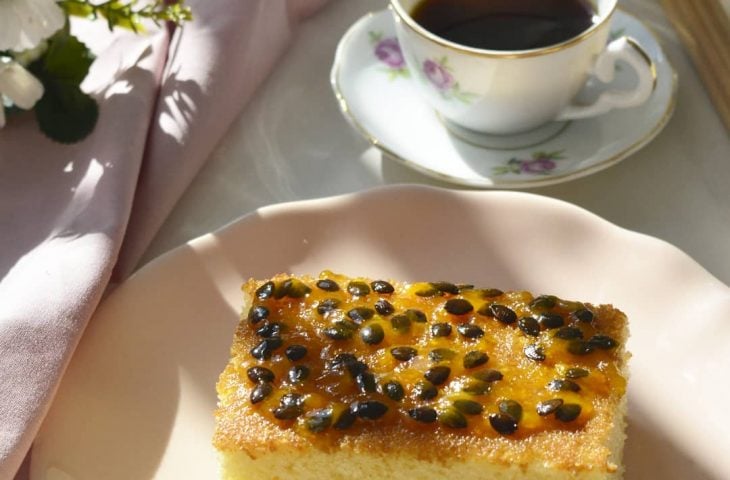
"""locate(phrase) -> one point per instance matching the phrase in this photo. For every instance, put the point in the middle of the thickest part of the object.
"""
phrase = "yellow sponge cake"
(337, 378)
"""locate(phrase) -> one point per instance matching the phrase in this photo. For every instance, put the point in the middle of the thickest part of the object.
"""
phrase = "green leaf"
(127, 13)
(67, 59)
(65, 113)
(78, 9)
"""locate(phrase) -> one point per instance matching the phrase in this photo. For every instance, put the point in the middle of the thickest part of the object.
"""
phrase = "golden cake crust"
(242, 426)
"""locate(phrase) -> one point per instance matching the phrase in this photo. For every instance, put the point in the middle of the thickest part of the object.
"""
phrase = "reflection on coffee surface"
(505, 24)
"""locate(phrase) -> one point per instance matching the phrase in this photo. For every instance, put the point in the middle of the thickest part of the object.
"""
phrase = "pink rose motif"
(542, 163)
(538, 165)
(438, 75)
(388, 51)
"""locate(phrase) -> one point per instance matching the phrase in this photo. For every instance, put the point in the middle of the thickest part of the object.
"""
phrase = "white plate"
(138, 398)
(380, 102)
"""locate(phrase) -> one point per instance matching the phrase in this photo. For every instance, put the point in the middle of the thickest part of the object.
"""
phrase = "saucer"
(373, 88)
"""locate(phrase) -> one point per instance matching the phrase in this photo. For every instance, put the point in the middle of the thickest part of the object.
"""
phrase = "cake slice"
(350, 378)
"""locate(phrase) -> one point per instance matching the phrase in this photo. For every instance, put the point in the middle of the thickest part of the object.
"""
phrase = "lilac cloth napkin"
(70, 216)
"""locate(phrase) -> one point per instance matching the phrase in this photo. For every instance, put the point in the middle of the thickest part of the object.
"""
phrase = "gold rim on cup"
(406, 18)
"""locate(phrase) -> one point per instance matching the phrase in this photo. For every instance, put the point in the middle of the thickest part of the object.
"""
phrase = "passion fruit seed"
(265, 291)
(298, 373)
(458, 306)
(602, 342)
(503, 423)
(291, 399)
(475, 359)
(357, 367)
(534, 352)
(490, 292)
(365, 382)
(346, 361)
(291, 406)
(269, 329)
(368, 409)
(438, 374)
(569, 333)
(287, 413)
(488, 375)
(372, 334)
(445, 287)
(511, 408)
(550, 321)
(393, 390)
(579, 347)
(260, 374)
(358, 289)
(281, 289)
(384, 307)
(265, 348)
(468, 407)
(548, 407)
(257, 313)
(416, 316)
(544, 302)
(340, 330)
(318, 420)
(328, 305)
(441, 329)
(576, 373)
(428, 291)
(360, 314)
(328, 285)
(423, 414)
(344, 420)
(476, 387)
(529, 326)
(452, 418)
(295, 352)
(582, 315)
(381, 286)
(424, 390)
(567, 412)
(560, 385)
(464, 287)
(403, 353)
(441, 354)
(400, 323)
(502, 313)
(296, 288)
(260, 392)
(471, 331)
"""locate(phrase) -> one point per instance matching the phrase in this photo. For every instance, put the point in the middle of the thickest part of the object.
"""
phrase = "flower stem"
(127, 14)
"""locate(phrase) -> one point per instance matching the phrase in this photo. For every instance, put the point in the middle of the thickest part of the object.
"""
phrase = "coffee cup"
(507, 90)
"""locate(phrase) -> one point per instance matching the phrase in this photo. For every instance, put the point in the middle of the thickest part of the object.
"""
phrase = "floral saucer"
(372, 84)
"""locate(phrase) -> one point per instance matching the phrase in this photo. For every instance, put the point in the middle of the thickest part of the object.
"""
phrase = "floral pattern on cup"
(388, 51)
(541, 163)
(439, 74)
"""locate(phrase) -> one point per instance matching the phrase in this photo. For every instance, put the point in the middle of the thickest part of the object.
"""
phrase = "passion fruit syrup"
(334, 356)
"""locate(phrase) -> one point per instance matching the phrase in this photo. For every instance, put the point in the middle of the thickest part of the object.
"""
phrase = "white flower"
(25, 23)
(17, 85)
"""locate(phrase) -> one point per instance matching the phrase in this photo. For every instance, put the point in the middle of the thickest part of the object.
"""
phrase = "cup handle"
(628, 50)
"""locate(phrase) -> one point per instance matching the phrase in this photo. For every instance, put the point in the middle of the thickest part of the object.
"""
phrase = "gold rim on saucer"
(489, 182)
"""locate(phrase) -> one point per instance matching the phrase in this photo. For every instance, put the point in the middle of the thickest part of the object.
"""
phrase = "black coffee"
(505, 24)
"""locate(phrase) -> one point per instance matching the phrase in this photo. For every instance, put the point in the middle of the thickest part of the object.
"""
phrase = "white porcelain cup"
(506, 92)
